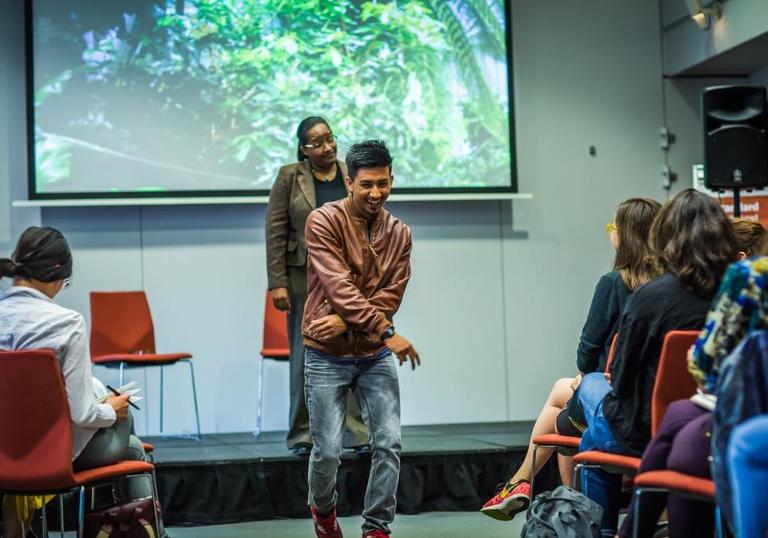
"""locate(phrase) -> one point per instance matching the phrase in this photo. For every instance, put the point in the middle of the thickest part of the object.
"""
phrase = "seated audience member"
(41, 266)
(751, 238)
(682, 442)
(748, 469)
(632, 267)
(694, 242)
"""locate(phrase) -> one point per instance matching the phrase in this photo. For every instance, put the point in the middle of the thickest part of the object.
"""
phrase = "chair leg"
(81, 512)
(577, 476)
(533, 477)
(194, 397)
(162, 370)
(155, 501)
(719, 531)
(636, 512)
(44, 520)
(61, 515)
(260, 397)
(151, 457)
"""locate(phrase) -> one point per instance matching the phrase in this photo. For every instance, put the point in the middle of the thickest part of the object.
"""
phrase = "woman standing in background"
(317, 178)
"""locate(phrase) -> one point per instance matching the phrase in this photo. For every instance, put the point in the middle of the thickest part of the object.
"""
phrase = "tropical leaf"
(494, 30)
(487, 106)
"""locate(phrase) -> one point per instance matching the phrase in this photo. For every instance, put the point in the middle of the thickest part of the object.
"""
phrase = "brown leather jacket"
(361, 280)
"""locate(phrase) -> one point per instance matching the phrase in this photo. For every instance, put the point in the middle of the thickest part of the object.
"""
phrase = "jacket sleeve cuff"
(381, 325)
(278, 282)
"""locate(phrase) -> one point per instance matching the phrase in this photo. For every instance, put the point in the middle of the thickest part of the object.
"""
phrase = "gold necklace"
(325, 179)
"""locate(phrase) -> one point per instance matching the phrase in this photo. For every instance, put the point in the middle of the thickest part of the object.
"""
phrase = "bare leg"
(566, 466)
(545, 423)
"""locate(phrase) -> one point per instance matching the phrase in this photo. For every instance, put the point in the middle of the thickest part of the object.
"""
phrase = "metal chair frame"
(81, 503)
(565, 451)
(125, 364)
(639, 490)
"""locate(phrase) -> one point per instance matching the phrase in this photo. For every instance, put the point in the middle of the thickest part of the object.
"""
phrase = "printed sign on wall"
(754, 203)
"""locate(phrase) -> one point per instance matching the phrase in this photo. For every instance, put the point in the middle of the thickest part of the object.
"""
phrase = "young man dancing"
(358, 266)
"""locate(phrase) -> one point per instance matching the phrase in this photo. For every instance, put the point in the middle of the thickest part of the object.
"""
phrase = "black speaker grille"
(740, 158)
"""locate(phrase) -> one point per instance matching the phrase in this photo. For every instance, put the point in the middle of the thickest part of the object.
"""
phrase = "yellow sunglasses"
(611, 227)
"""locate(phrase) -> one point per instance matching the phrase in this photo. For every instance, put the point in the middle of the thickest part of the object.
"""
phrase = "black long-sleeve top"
(653, 310)
(608, 302)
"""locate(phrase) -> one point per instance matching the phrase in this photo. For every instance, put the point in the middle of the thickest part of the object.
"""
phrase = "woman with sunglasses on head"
(41, 266)
(694, 242)
(632, 267)
(317, 178)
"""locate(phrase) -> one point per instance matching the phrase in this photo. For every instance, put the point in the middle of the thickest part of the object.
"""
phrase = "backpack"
(132, 519)
(563, 513)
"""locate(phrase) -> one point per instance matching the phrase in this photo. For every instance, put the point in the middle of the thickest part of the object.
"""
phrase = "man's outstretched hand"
(403, 349)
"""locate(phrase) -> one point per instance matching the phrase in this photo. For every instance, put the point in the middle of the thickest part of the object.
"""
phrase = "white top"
(31, 320)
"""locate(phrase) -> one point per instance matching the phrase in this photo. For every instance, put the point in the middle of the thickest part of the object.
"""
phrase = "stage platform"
(228, 478)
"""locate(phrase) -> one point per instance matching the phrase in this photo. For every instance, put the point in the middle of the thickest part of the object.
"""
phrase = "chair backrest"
(275, 343)
(673, 381)
(36, 442)
(121, 323)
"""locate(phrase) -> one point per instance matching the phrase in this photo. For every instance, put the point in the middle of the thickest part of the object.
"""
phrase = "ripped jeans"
(374, 381)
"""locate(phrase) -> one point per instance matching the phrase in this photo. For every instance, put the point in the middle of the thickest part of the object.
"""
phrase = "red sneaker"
(512, 499)
(375, 534)
(326, 527)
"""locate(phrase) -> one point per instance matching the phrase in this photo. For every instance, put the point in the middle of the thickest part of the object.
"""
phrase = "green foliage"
(53, 161)
(236, 76)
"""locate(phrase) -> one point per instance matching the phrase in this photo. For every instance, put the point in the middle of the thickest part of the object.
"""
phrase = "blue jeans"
(327, 382)
(602, 487)
(748, 464)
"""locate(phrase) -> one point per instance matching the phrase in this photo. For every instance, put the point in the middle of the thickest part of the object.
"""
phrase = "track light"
(703, 15)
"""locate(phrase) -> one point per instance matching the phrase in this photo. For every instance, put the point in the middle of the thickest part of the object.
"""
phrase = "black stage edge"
(231, 478)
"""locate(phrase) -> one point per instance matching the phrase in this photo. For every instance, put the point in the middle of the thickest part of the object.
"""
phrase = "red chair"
(692, 487)
(664, 394)
(567, 445)
(36, 440)
(673, 382)
(123, 335)
(275, 346)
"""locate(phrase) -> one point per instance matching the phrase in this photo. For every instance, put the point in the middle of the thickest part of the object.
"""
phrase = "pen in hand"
(129, 401)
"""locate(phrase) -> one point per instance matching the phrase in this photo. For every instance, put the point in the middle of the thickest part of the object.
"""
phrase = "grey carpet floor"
(427, 525)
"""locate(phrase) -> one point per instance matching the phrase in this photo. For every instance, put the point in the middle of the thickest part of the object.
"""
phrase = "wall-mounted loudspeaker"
(735, 143)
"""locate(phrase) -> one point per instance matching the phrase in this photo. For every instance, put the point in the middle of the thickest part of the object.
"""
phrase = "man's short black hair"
(367, 154)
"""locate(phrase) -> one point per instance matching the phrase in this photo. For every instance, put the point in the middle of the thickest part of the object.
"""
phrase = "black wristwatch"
(389, 333)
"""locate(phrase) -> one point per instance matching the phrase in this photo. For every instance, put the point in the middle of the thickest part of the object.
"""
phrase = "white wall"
(13, 146)
(500, 290)
(581, 80)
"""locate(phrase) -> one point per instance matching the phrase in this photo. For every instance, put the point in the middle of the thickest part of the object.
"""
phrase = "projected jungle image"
(205, 95)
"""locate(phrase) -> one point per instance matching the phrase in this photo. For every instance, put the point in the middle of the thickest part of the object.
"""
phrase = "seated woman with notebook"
(41, 266)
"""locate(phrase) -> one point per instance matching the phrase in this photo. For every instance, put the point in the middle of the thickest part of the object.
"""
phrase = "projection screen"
(137, 98)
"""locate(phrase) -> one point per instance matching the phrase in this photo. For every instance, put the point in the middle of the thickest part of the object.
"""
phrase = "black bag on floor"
(563, 513)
